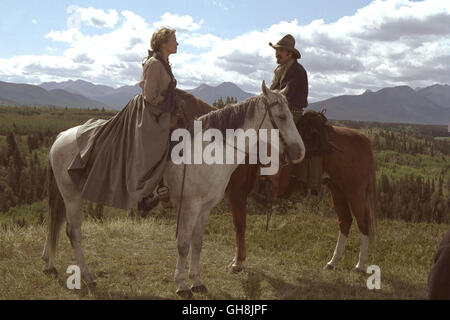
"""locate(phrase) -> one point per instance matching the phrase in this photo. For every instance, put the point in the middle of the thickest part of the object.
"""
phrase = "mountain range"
(118, 98)
(113, 98)
(227, 89)
(430, 105)
(30, 95)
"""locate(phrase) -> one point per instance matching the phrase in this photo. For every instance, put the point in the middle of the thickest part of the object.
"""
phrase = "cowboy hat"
(288, 43)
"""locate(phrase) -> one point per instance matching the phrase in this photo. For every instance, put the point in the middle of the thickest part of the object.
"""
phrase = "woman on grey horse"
(121, 160)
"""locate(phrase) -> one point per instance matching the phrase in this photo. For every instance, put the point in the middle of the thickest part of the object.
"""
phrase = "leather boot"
(147, 204)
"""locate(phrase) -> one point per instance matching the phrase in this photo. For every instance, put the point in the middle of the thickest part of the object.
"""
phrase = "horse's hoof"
(358, 270)
(236, 269)
(199, 289)
(185, 294)
(232, 268)
(51, 272)
(328, 267)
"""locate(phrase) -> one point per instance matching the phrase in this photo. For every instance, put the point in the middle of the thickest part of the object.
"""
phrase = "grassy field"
(135, 259)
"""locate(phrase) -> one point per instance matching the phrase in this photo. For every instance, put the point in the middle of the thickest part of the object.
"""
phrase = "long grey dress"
(121, 160)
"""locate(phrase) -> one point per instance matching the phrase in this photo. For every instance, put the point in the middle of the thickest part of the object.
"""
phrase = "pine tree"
(11, 144)
(220, 103)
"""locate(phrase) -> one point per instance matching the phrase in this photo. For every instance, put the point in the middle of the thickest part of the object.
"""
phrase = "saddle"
(314, 128)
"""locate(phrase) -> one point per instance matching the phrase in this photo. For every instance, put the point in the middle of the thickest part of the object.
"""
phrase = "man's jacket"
(296, 81)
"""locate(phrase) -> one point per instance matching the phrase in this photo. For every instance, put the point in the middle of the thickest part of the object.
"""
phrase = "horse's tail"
(56, 208)
(371, 199)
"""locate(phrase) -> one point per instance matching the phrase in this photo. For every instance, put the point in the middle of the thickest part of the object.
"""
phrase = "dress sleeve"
(152, 74)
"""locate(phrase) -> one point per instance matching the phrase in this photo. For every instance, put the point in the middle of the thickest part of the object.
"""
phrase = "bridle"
(268, 106)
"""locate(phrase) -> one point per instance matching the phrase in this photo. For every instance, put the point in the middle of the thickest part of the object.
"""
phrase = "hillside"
(439, 94)
(413, 176)
(284, 263)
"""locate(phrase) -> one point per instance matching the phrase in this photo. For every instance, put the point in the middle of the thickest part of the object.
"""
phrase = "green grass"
(26, 120)
(136, 258)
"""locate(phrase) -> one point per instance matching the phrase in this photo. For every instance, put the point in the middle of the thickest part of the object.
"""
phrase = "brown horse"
(349, 169)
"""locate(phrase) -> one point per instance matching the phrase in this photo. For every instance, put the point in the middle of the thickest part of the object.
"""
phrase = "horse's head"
(280, 117)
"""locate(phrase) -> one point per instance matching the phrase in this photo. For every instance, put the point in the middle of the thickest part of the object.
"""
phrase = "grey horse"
(205, 183)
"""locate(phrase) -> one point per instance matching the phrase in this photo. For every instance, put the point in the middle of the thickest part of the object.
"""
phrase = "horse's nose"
(295, 152)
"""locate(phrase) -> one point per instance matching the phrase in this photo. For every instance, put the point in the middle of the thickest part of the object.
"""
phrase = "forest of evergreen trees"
(220, 104)
(404, 142)
(412, 198)
(22, 174)
(408, 196)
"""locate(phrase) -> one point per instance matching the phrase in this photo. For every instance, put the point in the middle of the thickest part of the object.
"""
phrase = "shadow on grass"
(302, 288)
(100, 293)
(310, 288)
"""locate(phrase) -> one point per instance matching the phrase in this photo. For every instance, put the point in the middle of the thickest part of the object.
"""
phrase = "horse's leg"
(360, 211)
(187, 220)
(196, 248)
(74, 217)
(238, 201)
(345, 221)
(238, 189)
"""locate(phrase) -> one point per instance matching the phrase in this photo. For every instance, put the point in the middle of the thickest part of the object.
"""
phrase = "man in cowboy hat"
(290, 75)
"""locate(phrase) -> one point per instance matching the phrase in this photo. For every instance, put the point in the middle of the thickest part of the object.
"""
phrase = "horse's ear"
(264, 89)
(283, 92)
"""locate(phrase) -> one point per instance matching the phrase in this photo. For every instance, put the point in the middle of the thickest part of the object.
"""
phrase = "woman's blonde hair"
(160, 37)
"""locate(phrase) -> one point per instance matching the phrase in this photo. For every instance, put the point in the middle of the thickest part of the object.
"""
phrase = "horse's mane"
(231, 116)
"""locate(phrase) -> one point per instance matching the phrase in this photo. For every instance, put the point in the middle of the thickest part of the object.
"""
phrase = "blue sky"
(227, 19)
(347, 46)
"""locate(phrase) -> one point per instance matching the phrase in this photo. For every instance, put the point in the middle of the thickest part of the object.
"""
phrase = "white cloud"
(180, 23)
(203, 41)
(386, 43)
(72, 35)
(34, 21)
(92, 17)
